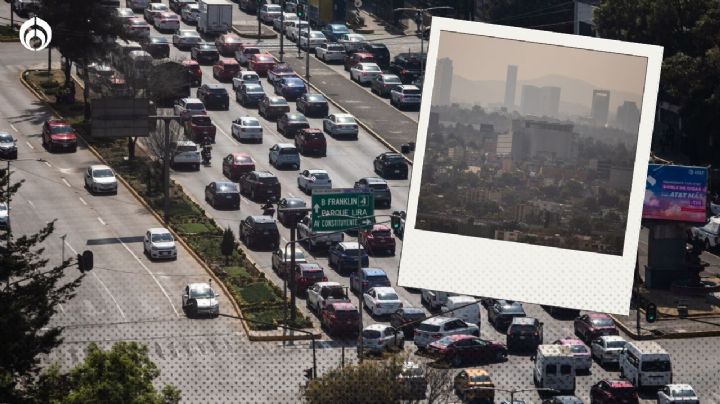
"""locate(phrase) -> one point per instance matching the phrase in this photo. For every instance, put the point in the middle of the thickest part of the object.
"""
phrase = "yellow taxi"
(474, 384)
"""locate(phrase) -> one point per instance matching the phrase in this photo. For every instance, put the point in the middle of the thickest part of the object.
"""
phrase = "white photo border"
(517, 271)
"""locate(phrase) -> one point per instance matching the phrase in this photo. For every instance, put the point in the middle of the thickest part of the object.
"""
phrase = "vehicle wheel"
(340, 268)
(707, 245)
(197, 167)
(602, 362)
(622, 372)
(456, 361)
(501, 356)
(392, 252)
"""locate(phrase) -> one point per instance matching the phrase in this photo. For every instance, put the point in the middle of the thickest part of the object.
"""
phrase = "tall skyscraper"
(443, 81)
(540, 101)
(600, 106)
(510, 87)
(628, 117)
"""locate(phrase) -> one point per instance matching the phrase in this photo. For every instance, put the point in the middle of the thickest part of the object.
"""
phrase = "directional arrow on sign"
(317, 208)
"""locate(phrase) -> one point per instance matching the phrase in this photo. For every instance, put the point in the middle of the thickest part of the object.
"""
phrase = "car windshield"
(217, 90)
(60, 129)
(202, 293)
(313, 273)
(382, 233)
(315, 98)
(428, 327)
(624, 392)
(3, 207)
(278, 101)
(339, 29)
(378, 185)
(352, 252)
(335, 47)
(388, 296)
(523, 329)
(315, 136)
(254, 89)
(195, 106)
(316, 35)
(250, 122)
(264, 59)
(243, 160)
(232, 39)
(479, 378)
(288, 150)
(444, 341)
(161, 237)
(578, 349)
(372, 334)
(137, 22)
(683, 393)
(371, 68)
(601, 322)
(227, 188)
(294, 203)
(320, 176)
(346, 314)
(201, 120)
(159, 39)
(266, 225)
(616, 344)
(375, 279)
(336, 292)
(656, 366)
(186, 148)
(274, 8)
(345, 119)
(191, 34)
(411, 92)
(269, 180)
(251, 77)
(207, 48)
(392, 80)
(5, 138)
(103, 173)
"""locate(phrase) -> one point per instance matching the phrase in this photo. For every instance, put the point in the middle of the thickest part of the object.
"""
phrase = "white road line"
(66, 183)
(225, 134)
(14, 128)
(101, 283)
(47, 163)
(83, 201)
(101, 221)
(30, 145)
(31, 204)
(151, 274)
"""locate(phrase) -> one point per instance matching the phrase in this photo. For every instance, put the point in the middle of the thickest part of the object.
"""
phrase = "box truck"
(215, 17)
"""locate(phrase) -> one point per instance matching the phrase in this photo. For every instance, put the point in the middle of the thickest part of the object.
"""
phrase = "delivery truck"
(215, 17)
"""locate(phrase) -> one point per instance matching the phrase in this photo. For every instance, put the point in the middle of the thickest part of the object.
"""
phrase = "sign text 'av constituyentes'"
(335, 209)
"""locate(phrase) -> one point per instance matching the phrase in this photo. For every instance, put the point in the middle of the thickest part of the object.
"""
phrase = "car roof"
(328, 283)
(598, 315)
(57, 122)
(367, 64)
(412, 310)
(477, 372)
(285, 145)
(609, 338)
(240, 154)
(570, 341)
(318, 171)
(344, 116)
(186, 143)
(295, 116)
(353, 245)
(619, 383)
(364, 54)
(459, 337)
(374, 180)
(248, 118)
(188, 99)
(524, 321)
(99, 167)
(158, 230)
(373, 272)
(392, 154)
(262, 219)
(199, 285)
(438, 320)
(264, 174)
(408, 87)
(343, 306)
(310, 266)
(215, 86)
(378, 327)
(276, 98)
(680, 387)
(385, 289)
(380, 227)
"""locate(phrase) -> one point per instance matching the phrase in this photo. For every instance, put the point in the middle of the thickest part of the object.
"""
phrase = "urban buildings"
(510, 87)
(628, 117)
(540, 101)
(443, 81)
(600, 107)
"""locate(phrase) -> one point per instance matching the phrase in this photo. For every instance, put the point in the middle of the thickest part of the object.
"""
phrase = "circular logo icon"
(35, 34)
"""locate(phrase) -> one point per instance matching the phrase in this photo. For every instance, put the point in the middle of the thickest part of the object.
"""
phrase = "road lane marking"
(47, 163)
(66, 183)
(14, 128)
(101, 221)
(83, 201)
(31, 204)
(30, 146)
(151, 275)
(225, 134)
(122, 314)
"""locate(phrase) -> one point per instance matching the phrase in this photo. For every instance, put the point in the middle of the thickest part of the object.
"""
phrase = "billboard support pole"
(166, 172)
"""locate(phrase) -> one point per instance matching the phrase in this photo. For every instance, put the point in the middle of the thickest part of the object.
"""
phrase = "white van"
(138, 64)
(554, 368)
(470, 313)
(645, 364)
(121, 51)
(434, 299)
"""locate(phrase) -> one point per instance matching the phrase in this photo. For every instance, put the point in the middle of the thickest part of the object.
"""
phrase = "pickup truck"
(709, 234)
(315, 239)
(434, 299)
(186, 153)
(323, 293)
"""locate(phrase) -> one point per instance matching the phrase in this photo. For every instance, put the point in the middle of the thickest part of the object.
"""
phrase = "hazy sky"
(478, 57)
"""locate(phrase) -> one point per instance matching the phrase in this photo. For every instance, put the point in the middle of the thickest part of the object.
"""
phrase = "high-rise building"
(510, 87)
(443, 81)
(540, 101)
(600, 107)
(628, 117)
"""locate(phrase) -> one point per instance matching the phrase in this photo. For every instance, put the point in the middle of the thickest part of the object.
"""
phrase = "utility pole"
(291, 273)
(307, 51)
(166, 161)
(360, 295)
(7, 202)
(12, 15)
(420, 20)
(282, 30)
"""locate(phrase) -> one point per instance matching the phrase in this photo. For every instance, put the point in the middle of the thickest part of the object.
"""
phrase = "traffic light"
(85, 261)
(395, 221)
(650, 312)
(308, 373)
(300, 11)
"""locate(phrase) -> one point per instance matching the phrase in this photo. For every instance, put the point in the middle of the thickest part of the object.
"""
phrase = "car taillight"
(324, 279)
(536, 333)
(436, 336)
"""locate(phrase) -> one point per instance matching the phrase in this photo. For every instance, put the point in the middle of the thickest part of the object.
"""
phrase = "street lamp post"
(290, 273)
(420, 13)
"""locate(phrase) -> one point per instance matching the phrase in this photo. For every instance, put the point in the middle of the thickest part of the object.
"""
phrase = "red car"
(459, 349)
(227, 44)
(199, 128)
(380, 238)
(307, 275)
(340, 317)
(225, 69)
(616, 391)
(235, 165)
(311, 140)
(261, 63)
(592, 325)
(358, 57)
(193, 68)
(57, 134)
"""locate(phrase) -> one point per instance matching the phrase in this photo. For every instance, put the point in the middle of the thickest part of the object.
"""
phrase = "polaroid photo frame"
(535, 250)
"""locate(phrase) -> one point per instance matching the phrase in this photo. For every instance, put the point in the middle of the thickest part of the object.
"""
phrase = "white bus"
(645, 364)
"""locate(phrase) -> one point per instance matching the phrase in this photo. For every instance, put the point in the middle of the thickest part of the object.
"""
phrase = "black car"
(288, 218)
(249, 94)
(391, 165)
(8, 146)
(291, 122)
(260, 186)
(177, 5)
(249, 6)
(407, 66)
(313, 105)
(223, 194)
(157, 46)
(214, 96)
(378, 187)
(502, 313)
(524, 333)
(379, 51)
(205, 53)
(562, 312)
(259, 232)
(273, 107)
(402, 316)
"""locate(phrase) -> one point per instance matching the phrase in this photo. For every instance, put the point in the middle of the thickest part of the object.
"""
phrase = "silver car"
(606, 349)
(100, 178)
(382, 337)
(341, 125)
(200, 298)
(159, 243)
(4, 216)
(186, 38)
(190, 13)
(284, 154)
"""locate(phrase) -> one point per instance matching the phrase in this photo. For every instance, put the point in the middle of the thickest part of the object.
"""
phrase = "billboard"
(676, 193)
(120, 117)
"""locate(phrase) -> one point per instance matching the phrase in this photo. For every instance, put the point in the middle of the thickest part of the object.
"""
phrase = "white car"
(317, 38)
(330, 52)
(152, 9)
(709, 234)
(186, 38)
(405, 95)
(4, 216)
(166, 21)
(284, 154)
(677, 394)
(200, 298)
(187, 107)
(364, 73)
(285, 20)
(247, 128)
(245, 76)
(293, 30)
(190, 13)
(341, 125)
(313, 179)
(607, 348)
(382, 300)
(187, 153)
(351, 42)
(435, 328)
(269, 12)
(100, 178)
(377, 338)
(159, 243)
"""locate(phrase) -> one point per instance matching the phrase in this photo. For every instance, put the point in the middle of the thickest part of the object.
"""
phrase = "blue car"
(291, 88)
(368, 278)
(334, 31)
(344, 257)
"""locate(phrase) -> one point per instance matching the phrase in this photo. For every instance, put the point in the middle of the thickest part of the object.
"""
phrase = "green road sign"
(331, 208)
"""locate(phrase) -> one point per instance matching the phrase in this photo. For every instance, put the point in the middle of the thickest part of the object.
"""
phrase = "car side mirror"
(185, 296)
(217, 295)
